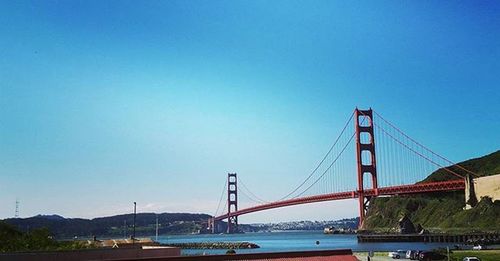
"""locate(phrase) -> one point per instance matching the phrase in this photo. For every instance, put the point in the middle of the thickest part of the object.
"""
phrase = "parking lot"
(484, 255)
(379, 256)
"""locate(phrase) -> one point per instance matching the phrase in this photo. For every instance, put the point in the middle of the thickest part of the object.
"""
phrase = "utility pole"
(135, 213)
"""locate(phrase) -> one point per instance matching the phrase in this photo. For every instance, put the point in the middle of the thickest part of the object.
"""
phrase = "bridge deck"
(452, 185)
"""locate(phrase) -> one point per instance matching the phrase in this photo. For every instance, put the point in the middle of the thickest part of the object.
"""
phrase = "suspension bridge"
(353, 168)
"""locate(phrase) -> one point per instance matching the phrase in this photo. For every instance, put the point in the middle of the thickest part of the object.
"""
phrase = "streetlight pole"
(156, 227)
(135, 213)
(125, 229)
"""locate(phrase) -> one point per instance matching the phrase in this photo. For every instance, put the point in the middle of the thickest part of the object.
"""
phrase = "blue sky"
(103, 103)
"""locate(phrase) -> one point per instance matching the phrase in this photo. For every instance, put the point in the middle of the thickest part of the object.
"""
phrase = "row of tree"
(40, 239)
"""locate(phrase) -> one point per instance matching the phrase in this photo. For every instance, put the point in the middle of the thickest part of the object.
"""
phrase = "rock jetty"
(214, 245)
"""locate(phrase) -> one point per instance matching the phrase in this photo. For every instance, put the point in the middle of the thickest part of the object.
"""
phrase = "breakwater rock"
(214, 245)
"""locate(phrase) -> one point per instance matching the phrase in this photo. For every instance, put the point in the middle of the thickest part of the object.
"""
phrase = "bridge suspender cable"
(257, 199)
(418, 153)
(252, 196)
(402, 152)
(221, 197)
(321, 162)
(424, 147)
(421, 146)
(404, 157)
(333, 162)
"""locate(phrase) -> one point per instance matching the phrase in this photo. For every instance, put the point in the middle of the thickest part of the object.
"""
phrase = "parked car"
(412, 254)
(429, 255)
(397, 254)
(471, 258)
(478, 247)
(417, 254)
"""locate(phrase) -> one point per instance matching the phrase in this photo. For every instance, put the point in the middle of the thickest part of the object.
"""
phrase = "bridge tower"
(232, 203)
(365, 155)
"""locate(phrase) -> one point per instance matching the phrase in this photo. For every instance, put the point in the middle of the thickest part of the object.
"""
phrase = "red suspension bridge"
(396, 166)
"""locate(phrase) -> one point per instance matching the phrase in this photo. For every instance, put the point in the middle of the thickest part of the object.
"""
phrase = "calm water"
(294, 241)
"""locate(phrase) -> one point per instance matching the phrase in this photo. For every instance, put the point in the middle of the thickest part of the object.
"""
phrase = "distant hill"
(169, 223)
(113, 226)
(441, 211)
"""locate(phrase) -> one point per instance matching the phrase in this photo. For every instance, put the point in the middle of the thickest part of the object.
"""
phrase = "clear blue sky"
(103, 103)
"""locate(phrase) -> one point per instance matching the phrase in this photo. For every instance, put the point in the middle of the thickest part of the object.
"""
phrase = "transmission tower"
(16, 215)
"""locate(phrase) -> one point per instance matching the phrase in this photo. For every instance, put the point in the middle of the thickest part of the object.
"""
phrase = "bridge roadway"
(452, 185)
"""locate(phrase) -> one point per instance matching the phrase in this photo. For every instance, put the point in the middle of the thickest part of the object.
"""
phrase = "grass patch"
(484, 255)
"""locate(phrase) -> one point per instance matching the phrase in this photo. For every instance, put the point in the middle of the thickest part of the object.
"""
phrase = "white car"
(397, 254)
(471, 258)
(478, 247)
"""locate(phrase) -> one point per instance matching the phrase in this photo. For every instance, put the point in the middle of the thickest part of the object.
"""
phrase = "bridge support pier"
(211, 225)
(214, 226)
(365, 155)
(232, 203)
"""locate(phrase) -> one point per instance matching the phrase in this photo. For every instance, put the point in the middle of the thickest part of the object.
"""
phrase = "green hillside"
(483, 166)
(440, 211)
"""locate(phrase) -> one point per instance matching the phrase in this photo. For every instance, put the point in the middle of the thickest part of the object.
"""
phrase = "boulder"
(406, 226)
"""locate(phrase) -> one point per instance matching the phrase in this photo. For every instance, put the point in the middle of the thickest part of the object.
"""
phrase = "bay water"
(294, 241)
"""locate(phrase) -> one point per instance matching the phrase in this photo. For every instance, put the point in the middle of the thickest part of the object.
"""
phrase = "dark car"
(412, 254)
(429, 255)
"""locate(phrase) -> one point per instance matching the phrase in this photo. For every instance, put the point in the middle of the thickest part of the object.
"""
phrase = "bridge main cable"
(422, 146)
(326, 170)
(389, 190)
(251, 195)
(321, 162)
(220, 200)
